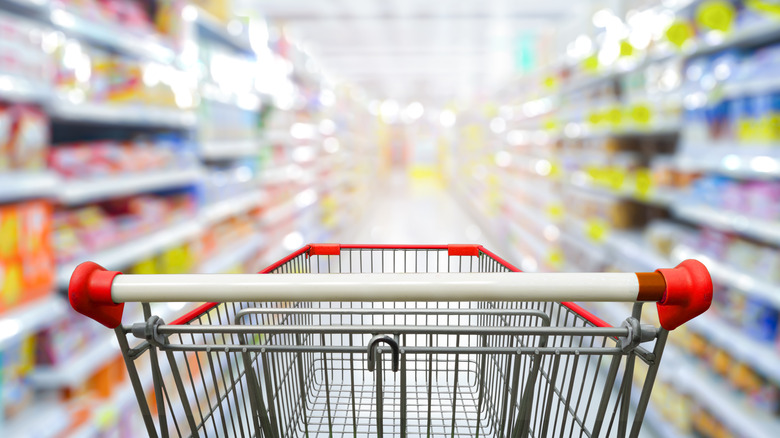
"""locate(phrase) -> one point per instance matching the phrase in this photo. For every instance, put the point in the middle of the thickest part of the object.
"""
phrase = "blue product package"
(760, 319)
(774, 118)
(762, 114)
(717, 116)
(742, 118)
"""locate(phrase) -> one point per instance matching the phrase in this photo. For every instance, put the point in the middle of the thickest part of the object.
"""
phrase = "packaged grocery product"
(6, 127)
(69, 337)
(734, 310)
(35, 220)
(10, 231)
(721, 361)
(679, 410)
(761, 394)
(26, 256)
(146, 266)
(11, 283)
(108, 158)
(177, 260)
(741, 254)
(762, 199)
(713, 243)
(760, 319)
(17, 359)
(707, 425)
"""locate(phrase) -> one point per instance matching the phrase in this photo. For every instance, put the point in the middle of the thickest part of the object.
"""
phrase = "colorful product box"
(26, 256)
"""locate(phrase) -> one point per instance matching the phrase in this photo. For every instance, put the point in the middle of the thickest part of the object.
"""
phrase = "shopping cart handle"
(682, 293)
(688, 293)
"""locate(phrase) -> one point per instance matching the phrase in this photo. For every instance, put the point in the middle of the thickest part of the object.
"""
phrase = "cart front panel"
(366, 369)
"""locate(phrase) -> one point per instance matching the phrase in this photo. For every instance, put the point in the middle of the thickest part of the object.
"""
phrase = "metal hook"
(372, 346)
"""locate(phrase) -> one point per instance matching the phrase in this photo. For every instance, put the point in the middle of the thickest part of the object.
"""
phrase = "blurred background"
(171, 136)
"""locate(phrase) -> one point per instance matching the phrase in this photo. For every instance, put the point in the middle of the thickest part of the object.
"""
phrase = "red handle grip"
(89, 293)
(688, 293)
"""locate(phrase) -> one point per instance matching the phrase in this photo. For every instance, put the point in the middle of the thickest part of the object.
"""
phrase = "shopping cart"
(448, 341)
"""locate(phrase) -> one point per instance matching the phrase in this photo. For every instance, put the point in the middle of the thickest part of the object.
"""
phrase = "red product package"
(36, 226)
(29, 138)
(6, 128)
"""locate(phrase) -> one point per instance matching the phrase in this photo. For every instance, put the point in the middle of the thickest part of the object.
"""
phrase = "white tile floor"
(405, 212)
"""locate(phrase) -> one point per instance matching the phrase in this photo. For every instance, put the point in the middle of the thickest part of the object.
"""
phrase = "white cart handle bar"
(682, 293)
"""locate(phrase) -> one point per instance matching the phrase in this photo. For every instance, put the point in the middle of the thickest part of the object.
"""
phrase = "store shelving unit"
(235, 254)
(125, 254)
(15, 186)
(49, 420)
(123, 115)
(650, 130)
(17, 89)
(218, 211)
(763, 230)
(72, 114)
(78, 368)
(74, 192)
(751, 36)
(733, 277)
(97, 32)
(29, 319)
(739, 161)
(561, 113)
(657, 197)
(237, 39)
(760, 355)
(230, 149)
(708, 390)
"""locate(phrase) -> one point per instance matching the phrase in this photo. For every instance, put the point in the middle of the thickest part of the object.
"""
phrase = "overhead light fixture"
(447, 118)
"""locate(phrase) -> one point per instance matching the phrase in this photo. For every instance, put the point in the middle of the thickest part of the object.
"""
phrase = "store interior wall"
(217, 136)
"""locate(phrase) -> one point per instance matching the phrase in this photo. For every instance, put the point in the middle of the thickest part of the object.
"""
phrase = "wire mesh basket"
(410, 341)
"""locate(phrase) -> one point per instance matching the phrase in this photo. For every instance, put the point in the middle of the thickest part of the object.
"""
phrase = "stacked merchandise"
(27, 267)
(24, 133)
(647, 148)
(106, 159)
(85, 74)
(25, 67)
(134, 186)
(86, 230)
(26, 277)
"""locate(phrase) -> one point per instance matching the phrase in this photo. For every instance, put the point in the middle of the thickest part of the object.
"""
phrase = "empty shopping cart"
(403, 341)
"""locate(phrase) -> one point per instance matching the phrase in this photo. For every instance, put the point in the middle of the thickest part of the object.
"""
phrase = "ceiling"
(422, 50)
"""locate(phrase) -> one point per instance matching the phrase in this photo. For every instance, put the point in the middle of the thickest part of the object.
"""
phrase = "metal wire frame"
(466, 368)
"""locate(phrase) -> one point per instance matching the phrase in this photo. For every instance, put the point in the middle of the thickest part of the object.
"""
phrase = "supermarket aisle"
(405, 211)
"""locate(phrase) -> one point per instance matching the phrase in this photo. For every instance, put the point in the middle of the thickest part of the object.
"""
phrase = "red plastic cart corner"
(89, 293)
(688, 293)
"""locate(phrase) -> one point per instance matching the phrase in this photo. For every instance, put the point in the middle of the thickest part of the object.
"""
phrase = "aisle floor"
(405, 211)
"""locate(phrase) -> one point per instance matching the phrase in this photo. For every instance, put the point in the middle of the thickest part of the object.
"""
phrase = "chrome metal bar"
(301, 382)
(404, 403)
(399, 329)
(380, 415)
(430, 388)
(455, 387)
(606, 394)
(135, 381)
(327, 385)
(352, 387)
(255, 400)
(183, 399)
(647, 388)
(272, 413)
(545, 423)
(625, 402)
(157, 380)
